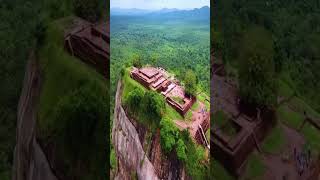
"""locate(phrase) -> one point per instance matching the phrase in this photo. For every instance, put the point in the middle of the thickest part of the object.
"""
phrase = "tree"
(190, 83)
(181, 150)
(168, 134)
(154, 59)
(154, 105)
(134, 99)
(90, 10)
(78, 123)
(257, 72)
(122, 71)
(78, 128)
(136, 61)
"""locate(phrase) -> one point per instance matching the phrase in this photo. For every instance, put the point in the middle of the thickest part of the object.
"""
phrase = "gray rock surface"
(30, 162)
(132, 160)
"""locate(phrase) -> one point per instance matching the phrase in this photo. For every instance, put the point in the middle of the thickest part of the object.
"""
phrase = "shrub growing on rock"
(181, 150)
(169, 134)
(154, 105)
(78, 123)
(134, 100)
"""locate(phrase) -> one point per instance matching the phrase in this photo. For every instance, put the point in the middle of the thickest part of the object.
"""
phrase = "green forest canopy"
(176, 45)
(294, 28)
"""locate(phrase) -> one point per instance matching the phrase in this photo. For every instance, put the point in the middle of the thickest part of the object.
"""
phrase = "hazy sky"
(159, 4)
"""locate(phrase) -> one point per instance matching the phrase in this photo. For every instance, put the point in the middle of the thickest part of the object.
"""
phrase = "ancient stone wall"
(178, 108)
(91, 45)
(140, 80)
(205, 126)
(90, 54)
(234, 158)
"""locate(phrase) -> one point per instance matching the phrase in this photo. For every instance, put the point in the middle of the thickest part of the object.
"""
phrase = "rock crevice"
(30, 162)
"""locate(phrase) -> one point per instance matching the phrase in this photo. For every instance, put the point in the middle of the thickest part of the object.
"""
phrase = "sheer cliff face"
(132, 159)
(30, 162)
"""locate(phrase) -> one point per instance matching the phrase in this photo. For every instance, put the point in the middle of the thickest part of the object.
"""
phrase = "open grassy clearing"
(295, 119)
(188, 116)
(129, 84)
(274, 142)
(300, 105)
(289, 117)
(172, 113)
(219, 118)
(195, 106)
(221, 121)
(312, 137)
(284, 89)
(178, 99)
(255, 168)
(203, 98)
(219, 172)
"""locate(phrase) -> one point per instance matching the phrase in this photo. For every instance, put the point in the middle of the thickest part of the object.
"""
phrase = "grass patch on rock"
(275, 141)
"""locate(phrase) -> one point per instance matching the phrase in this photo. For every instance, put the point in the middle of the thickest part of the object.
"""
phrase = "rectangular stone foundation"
(233, 154)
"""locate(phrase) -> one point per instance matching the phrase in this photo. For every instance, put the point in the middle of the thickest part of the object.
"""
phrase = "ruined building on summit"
(90, 42)
(157, 79)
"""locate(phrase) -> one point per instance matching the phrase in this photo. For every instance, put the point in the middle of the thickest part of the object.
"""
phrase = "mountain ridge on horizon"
(137, 11)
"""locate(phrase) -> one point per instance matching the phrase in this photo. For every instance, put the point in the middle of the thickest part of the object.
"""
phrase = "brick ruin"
(200, 133)
(90, 42)
(249, 127)
(157, 79)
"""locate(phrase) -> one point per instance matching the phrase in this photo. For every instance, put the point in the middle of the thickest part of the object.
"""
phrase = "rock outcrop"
(30, 163)
(132, 159)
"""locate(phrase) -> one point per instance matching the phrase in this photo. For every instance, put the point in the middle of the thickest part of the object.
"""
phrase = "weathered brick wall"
(233, 159)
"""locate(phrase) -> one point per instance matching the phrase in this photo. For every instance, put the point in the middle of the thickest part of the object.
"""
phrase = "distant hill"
(203, 12)
(131, 12)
